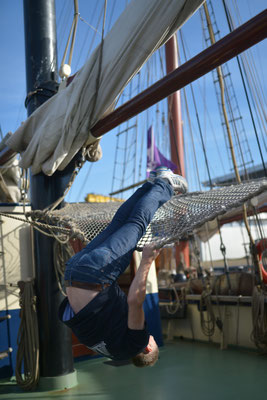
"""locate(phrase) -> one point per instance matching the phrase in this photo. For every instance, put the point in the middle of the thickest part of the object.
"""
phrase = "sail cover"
(57, 130)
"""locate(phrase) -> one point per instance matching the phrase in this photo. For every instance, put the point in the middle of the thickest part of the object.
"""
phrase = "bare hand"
(150, 253)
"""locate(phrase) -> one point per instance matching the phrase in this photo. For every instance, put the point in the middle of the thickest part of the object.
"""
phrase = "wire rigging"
(199, 126)
(226, 98)
(230, 25)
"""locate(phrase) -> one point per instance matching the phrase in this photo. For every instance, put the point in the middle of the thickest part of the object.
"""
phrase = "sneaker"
(178, 182)
(152, 176)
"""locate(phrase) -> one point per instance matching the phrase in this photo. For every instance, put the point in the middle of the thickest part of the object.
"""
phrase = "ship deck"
(186, 370)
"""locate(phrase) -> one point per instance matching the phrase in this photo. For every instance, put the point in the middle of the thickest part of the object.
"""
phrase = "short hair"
(146, 360)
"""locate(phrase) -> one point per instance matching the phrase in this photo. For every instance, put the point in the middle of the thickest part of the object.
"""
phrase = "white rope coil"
(28, 339)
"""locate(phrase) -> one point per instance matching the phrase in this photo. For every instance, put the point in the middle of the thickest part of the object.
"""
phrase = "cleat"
(178, 182)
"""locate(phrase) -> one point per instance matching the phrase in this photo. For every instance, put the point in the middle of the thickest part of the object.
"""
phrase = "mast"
(176, 132)
(56, 361)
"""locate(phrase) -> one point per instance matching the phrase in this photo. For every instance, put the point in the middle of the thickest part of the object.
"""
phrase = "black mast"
(41, 68)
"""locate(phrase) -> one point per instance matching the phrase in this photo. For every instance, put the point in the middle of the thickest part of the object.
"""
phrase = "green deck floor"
(185, 371)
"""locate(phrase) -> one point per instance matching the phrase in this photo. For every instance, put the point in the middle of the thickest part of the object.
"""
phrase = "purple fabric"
(154, 156)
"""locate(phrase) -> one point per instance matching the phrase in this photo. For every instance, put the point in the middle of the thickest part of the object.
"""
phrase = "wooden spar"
(228, 47)
(242, 38)
(174, 110)
(176, 136)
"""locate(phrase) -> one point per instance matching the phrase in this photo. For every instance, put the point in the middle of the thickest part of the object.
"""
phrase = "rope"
(176, 304)
(250, 70)
(194, 152)
(93, 18)
(62, 253)
(28, 339)
(36, 225)
(72, 33)
(207, 112)
(259, 319)
(221, 82)
(99, 65)
(24, 186)
(222, 246)
(196, 253)
(77, 169)
(220, 320)
(191, 138)
(237, 319)
(230, 25)
(197, 118)
(208, 324)
(235, 119)
(226, 267)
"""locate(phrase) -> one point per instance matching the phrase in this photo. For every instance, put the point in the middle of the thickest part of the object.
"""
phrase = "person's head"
(149, 356)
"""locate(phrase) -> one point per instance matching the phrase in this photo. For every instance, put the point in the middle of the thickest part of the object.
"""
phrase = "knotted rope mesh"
(176, 219)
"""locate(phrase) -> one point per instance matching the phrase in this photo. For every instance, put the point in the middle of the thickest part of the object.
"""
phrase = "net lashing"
(175, 220)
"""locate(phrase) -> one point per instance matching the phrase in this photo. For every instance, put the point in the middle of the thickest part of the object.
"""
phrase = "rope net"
(175, 220)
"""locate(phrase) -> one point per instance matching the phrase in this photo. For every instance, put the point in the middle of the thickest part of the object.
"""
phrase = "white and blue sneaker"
(178, 182)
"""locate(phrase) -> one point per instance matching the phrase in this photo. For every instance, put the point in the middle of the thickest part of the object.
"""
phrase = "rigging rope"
(221, 82)
(235, 117)
(207, 113)
(62, 253)
(99, 65)
(172, 309)
(222, 246)
(208, 324)
(42, 227)
(198, 122)
(77, 169)
(65, 69)
(28, 339)
(196, 164)
(254, 69)
(254, 99)
(230, 25)
(259, 319)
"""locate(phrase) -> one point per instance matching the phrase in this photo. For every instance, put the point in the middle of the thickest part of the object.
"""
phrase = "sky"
(103, 177)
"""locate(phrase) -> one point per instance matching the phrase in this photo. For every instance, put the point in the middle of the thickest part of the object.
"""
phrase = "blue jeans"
(108, 254)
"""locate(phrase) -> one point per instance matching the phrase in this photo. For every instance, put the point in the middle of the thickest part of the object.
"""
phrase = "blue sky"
(98, 177)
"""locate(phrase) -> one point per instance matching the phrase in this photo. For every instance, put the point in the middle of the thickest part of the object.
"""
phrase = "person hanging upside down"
(99, 313)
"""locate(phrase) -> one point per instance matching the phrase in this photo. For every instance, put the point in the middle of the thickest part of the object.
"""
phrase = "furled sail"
(57, 130)
(9, 177)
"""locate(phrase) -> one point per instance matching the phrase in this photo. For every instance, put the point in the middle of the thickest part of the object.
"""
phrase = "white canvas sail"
(55, 132)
